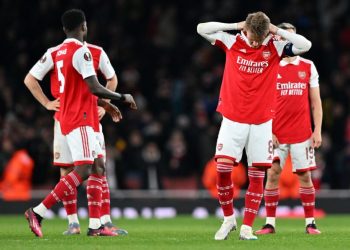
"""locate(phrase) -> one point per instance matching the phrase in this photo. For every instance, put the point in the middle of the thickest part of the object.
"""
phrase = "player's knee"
(305, 177)
(273, 175)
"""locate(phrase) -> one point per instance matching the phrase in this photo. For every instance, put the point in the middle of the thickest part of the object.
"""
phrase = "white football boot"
(227, 226)
(247, 233)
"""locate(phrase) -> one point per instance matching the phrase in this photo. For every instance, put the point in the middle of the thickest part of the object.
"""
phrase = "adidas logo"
(243, 50)
(279, 76)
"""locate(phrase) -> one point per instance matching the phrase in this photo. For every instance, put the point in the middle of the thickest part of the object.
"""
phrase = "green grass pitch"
(180, 233)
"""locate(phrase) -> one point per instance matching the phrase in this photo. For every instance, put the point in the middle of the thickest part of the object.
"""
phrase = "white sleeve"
(300, 43)
(314, 76)
(105, 66)
(44, 65)
(82, 62)
(213, 31)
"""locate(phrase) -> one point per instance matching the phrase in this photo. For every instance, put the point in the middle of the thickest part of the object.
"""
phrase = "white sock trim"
(40, 209)
(271, 221)
(94, 223)
(310, 220)
(105, 219)
(73, 218)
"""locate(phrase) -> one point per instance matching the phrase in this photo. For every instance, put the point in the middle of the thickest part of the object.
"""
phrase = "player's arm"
(213, 31)
(112, 110)
(36, 74)
(98, 90)
(316, 107)
(34, 87)
(82, 62)
(107, 70)
(297, 44)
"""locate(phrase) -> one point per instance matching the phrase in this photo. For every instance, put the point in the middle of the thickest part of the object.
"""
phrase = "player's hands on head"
(53, 105)
(316, 139)
(275, 141)
(113, 111)
(240, 25)
(101, 112)
(129, 99)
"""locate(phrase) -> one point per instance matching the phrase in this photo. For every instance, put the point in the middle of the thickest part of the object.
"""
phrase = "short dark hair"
(258, 23)
(287, 26)
(71, 19)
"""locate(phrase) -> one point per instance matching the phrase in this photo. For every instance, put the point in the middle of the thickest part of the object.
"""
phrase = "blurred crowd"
(175, 77)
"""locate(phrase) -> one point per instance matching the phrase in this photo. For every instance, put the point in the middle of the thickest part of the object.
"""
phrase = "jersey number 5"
(59, 65)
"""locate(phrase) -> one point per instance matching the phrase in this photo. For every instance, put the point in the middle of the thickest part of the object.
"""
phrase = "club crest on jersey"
(220, 146)
(266, 54)
(87, 56)
(43, 59)
(302, 74)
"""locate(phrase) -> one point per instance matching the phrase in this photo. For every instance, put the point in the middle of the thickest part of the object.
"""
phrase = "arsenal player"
(297, 91)
(246, 103)
(72, 63)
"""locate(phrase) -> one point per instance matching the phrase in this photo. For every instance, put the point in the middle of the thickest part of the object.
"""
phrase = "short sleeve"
(105, 66)
(43, 66)
(82, 62)
(314, 77)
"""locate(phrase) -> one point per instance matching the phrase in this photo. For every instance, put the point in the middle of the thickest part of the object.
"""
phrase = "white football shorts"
(302, 155)
(256, 139)
(79, 147)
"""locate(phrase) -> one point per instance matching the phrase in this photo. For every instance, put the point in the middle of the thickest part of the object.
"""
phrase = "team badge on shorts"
(302, 74)
(57, 155)
(93, 153)
(220, 146)
(266, 54)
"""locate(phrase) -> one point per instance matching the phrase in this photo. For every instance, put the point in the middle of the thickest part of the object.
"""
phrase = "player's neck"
(289, 59)
(76, 36)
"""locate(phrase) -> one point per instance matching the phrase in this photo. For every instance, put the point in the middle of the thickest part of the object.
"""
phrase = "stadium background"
(175, 76)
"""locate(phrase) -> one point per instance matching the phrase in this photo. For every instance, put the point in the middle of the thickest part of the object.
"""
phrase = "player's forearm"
(300, 43)
(317, 114)
(212, 27)
(98, 90)
(112, 85)
(34, 87)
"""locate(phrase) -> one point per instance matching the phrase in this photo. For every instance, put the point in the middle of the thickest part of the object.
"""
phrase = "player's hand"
(101, 112)
(316, 139)
(273, 28)
(240, 25)
(129, 99)
(113, 111)
(275, 141)
(53, 105)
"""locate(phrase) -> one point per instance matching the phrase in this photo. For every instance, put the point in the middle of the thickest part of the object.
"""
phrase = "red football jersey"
(247, 91)
(292, 123)
(101, 65)
(73, 63)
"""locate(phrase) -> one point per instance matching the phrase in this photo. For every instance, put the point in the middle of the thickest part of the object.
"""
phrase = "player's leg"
(70, 205)
(63, 159)
(271, 192)
(259, 150)
(303, 160)
(230, 143)
(63, 187)
(106, 200)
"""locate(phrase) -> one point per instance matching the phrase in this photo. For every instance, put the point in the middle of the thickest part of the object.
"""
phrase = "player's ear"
(84, 27)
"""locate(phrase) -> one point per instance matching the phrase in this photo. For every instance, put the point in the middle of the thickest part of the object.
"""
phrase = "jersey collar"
(69, 40)
(294, 62)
